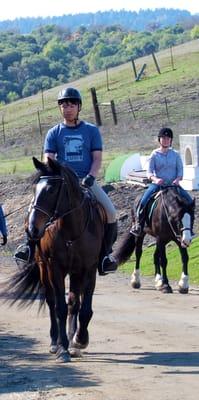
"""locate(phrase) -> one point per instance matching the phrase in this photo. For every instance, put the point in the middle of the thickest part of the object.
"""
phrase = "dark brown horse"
(168, 218)
(68, 227)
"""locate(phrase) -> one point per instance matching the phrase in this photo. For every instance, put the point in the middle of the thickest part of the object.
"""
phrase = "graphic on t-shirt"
(73, 147)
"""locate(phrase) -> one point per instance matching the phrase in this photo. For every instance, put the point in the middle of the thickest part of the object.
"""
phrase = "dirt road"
(143, 345)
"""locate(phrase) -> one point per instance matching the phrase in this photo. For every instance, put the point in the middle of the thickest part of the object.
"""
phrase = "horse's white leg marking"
(135, 279)
(158, 281)
(186, 234)
(184, 281)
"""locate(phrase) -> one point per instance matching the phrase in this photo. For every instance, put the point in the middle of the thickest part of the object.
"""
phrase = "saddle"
(94, 204)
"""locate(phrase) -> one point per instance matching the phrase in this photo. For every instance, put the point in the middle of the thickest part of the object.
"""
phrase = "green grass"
(174, 267)
(20, 166)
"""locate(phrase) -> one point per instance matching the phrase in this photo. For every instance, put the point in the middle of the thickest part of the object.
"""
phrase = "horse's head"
(54, 187)
(180, 214)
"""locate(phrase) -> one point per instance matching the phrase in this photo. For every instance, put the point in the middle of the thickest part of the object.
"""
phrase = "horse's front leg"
(61, 309)
(158, 275)
(50, 300)
(166, 288)
(73, 310)
(135, 277)
(183, 284)
(81, 337)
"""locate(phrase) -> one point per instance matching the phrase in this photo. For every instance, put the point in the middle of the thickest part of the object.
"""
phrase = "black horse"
(168, 218)
(67, 225)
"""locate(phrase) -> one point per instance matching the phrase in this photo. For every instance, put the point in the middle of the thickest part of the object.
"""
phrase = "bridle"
(55, 214)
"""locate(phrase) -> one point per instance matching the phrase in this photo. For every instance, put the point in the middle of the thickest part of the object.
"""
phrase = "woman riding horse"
(165, 168)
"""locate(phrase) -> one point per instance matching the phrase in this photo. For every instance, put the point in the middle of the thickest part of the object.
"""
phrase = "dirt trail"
(143, 344)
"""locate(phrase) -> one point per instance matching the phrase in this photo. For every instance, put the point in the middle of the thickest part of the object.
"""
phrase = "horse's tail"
(125, 249)
(25, 287)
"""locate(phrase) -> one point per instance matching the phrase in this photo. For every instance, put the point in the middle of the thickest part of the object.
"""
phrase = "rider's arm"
(96, 163)
(179, 169)
(151, 171)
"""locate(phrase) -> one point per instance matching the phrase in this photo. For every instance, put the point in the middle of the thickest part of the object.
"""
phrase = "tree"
(195, 32)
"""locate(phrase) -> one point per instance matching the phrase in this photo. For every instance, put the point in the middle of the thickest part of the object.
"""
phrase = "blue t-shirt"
(73, 146)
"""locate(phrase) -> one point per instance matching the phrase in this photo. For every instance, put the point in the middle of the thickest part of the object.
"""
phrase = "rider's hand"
(159, 181)
(4, 240)
(176, 181)
(88, 180)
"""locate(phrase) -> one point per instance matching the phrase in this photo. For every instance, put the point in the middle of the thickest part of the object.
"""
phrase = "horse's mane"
(175, 201)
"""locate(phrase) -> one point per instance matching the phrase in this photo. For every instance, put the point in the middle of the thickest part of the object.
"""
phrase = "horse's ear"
(54, 165)
(40, 166)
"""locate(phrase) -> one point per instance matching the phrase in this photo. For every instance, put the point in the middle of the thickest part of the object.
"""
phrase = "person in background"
(78, 143)
(3, 227)
(165, 167)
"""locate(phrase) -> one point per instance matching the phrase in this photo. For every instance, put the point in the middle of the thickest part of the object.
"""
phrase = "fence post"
(167, 110)
(156, 63)
(107, 80)
(3, 130)
(96, 107)
(40, 130)
(134, 68)
(42, 98)
(141, 72)
(113, 111)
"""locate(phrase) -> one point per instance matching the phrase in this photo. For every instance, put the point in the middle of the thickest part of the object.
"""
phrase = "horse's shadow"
(169, 359)
(23, 369)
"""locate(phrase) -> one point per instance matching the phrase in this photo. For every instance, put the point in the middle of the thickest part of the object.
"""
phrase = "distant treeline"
(52, 55)
(130, 20)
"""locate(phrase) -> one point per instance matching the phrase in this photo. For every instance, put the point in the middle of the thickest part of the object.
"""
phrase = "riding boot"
(107, 263)
(25, 252)
(138, 224)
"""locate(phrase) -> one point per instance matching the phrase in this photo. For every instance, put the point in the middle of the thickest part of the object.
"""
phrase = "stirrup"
(22, 254)
(109, 264)
(136, 230)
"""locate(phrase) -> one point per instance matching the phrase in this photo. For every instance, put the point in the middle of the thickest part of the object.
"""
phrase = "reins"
(56, 215)
(178, 237)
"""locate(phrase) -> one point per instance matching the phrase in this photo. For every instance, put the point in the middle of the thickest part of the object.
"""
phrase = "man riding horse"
(78, 144)
(165, 168)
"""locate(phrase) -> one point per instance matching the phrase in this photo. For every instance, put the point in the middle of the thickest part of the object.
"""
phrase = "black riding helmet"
(70, 94)
(165, 132)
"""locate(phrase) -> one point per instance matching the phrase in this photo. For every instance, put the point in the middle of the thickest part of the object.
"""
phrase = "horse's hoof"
(63, 356)
(166, 289)
(135, 285)
(74, 352)
(135, 280)
(79, 345)
(183, 290)
(53, 348)
(158, 286)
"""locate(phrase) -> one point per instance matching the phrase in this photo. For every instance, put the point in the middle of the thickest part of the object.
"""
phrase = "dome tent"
(121, 166)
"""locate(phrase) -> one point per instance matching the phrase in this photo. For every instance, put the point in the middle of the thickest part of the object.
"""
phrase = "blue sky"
(23, 8)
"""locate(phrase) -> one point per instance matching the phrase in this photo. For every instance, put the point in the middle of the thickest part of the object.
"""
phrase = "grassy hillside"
(176, 87)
